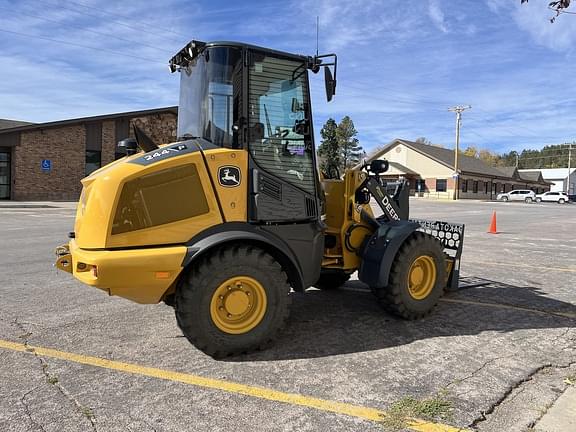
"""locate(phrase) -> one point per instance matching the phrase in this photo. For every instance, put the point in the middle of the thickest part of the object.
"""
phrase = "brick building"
(46, 161)
(430, 171)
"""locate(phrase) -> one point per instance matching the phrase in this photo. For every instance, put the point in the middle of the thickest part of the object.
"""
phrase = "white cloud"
(534, 18)
(437, 15)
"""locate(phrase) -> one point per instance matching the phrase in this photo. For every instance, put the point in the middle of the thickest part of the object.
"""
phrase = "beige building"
(46, 161)
(430, 171)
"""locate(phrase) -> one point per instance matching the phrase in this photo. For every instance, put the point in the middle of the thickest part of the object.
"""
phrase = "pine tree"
(350, 149)
(329, 150)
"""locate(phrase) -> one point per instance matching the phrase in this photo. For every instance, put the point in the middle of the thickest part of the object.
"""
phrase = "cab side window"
(280, 140)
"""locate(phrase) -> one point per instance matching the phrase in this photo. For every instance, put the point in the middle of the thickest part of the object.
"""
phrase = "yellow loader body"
(133, 219)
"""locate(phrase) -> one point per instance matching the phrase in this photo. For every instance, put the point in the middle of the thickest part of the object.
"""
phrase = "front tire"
(417, 279)
(538, 200)
(528, 200)
(233, 301)
(504, 198)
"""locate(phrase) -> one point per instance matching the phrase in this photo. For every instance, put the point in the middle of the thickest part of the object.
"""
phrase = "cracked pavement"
(501, 347)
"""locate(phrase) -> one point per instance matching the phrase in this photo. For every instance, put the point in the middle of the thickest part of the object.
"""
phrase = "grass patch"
(52, 380)
(401, 412)
(87, 412)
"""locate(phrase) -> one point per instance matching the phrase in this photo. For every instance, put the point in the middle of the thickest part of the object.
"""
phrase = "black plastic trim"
(245, 233)
(380, 251)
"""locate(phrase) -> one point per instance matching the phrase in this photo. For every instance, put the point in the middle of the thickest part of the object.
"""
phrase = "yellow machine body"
(133, 220)
(343, 222)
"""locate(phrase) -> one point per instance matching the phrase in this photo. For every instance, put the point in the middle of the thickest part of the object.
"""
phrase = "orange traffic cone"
(492, 229)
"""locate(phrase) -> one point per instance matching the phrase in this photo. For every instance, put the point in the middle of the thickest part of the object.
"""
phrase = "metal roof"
(466, 164)
(551, 173)
(9, 124)
(71, 122)
(509, 171)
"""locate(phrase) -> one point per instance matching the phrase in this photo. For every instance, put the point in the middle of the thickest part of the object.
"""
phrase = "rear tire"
(331, 279)
(417, 279)
(233, 301)
(561, 201)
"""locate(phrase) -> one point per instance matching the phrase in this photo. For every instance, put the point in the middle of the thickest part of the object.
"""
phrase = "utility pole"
(458, 109)
(569, 160)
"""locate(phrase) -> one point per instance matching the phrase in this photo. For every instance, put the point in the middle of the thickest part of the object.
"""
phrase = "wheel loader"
(226, 221)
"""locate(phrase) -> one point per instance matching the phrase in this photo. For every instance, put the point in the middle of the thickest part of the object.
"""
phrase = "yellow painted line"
(511, 266)
(365, 413)
(504, 306)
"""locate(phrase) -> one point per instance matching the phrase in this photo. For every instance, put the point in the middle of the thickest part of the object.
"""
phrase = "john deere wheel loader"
(225, 221)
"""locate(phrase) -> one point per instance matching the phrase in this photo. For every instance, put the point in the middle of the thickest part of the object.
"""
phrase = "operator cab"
(240, 96)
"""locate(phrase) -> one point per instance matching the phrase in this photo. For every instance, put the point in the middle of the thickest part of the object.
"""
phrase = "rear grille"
(311, 209)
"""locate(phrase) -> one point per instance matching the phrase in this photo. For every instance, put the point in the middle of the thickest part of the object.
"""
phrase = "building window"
(93, 161)
(464, 185)
(420, 185)
(440, 185)
(475, 186)
(486, 188)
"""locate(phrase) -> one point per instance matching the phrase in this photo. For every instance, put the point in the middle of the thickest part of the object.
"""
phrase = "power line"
(114, 14)
(87, 30)
(523, 127)
(139, 30)
(81, 46)
(402, 97)
(540, 157)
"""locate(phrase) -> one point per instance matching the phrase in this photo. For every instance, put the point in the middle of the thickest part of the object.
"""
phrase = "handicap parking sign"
(46, 165)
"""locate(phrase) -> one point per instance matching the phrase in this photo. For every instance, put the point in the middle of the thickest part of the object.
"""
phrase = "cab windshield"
(210, 105)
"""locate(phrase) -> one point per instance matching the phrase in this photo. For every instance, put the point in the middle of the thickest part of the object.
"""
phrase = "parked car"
(517, 195)
(559, 197)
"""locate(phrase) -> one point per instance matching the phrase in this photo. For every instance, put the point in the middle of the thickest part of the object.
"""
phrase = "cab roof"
(195, 48)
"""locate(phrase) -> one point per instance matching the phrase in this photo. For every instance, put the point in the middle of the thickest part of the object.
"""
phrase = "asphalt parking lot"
(494, 356)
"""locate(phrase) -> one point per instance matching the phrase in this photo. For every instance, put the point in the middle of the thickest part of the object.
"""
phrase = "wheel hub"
(236, 302)
(238, 305)
(421, 277)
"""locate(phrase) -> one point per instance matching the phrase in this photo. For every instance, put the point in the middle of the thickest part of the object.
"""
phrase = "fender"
(238, 232)
(380, 250)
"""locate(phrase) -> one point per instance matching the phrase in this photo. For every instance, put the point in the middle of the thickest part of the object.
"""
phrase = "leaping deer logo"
(229, 176)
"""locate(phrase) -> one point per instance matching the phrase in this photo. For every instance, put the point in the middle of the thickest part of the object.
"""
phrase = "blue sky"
(401, 63)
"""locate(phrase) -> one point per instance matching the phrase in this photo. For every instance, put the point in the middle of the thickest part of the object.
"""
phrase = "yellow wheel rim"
(421, 277)
(238, 305)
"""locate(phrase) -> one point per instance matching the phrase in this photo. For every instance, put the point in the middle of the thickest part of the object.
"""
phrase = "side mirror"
(379, 166)
(128, 146)
(330, 83)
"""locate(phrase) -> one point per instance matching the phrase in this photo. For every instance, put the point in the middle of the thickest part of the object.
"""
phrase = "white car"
(558, 197)
(517, 195)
